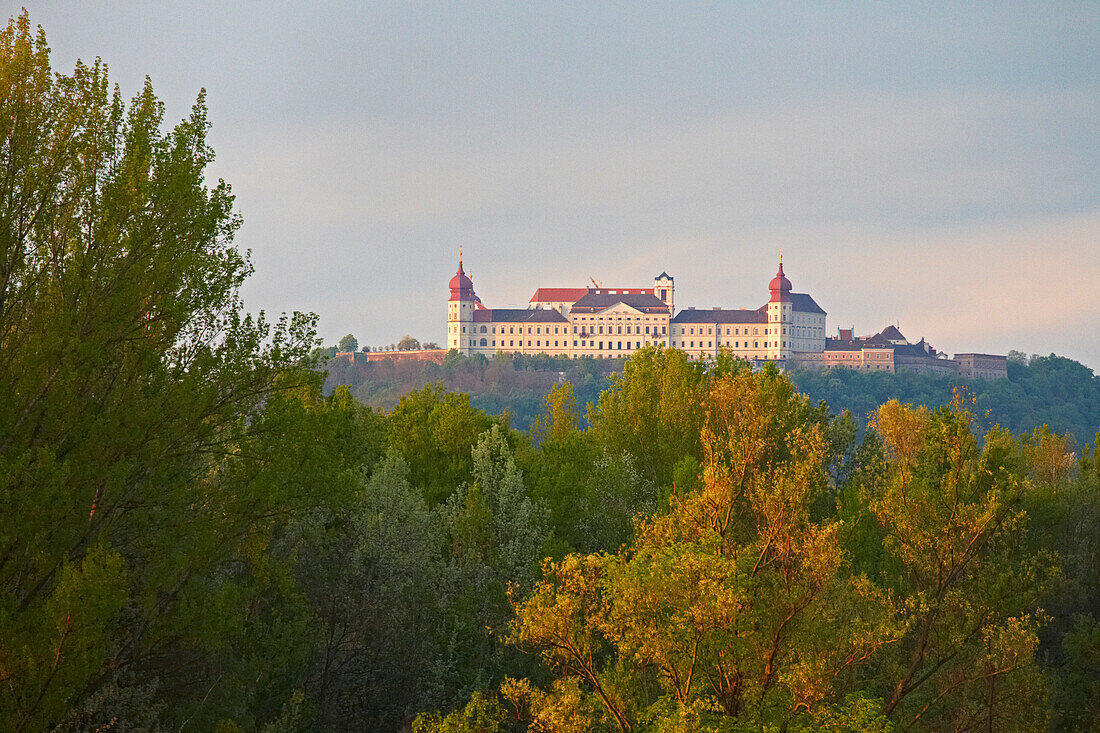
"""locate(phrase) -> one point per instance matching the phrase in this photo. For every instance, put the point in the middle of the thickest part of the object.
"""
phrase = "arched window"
(483, 341)
(483, 330)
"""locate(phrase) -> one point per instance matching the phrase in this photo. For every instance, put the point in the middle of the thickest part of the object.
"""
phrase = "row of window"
(577, 317)
(782, 331)
(538, 329)
(511, 342)
(735, 344)
(615, 345)
(599, 345)
(637, 329)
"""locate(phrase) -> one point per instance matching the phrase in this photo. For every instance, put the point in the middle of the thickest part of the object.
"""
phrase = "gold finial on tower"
(780, 255)
(460, 254)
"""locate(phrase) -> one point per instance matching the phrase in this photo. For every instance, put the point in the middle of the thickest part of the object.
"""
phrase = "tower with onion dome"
(460, 311)
(780, 308)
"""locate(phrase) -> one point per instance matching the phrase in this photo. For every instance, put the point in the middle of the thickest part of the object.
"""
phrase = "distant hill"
(1048, 390)
(1052, 390)
(516, 383)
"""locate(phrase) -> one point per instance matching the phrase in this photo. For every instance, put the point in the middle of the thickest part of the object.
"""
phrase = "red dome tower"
(780, 285)
(462, 287)
(779, 332)
(460, 311)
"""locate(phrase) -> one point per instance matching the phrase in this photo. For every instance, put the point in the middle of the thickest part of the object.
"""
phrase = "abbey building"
(608, 323)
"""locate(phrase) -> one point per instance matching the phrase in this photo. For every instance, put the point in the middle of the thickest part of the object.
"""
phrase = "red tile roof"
(558, 295)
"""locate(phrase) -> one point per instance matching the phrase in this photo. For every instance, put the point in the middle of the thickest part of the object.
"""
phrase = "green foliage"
(1076, 694)
(728, 606)
(738, 609)
(1049, 390)
(132, 389)
(435, 432)
(348, 343)
(321, 355)
(408, 343)
(517, 383)
(481, 715)
(653, 411)
(370, 574)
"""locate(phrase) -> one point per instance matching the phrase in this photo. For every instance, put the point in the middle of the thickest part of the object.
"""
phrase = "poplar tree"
(130, 385)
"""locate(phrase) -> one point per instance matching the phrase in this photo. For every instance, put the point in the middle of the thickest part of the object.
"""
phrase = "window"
(483, 341)
(647, 329)
(601, 344)
(483, 329)
(620, 329)
(463, 329)
(620, 346)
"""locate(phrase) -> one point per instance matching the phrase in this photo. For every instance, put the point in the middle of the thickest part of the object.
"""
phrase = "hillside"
(1052, 390)
(1049, 390)
(516, 383)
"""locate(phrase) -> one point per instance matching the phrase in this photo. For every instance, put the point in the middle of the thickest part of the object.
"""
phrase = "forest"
(194, 535)
(1040, 390)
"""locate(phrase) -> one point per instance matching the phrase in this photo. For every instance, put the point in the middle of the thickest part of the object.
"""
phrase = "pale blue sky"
(935, 165)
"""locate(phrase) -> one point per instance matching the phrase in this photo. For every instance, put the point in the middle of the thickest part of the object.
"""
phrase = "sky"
(935, 166)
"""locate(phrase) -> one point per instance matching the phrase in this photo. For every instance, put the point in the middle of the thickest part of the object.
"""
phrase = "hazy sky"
(932, 165)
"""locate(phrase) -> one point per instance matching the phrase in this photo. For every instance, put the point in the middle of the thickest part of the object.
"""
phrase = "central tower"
(664, 288)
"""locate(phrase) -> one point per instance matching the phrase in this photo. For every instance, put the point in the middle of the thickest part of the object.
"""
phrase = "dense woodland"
(1040, 390)
(195, 536)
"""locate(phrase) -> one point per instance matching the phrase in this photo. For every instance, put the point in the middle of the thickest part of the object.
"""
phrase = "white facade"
(614, 322)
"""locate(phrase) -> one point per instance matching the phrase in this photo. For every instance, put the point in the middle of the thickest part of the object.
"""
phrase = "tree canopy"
(348, 343)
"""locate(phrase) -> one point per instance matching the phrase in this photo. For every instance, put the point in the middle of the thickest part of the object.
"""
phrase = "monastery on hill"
(607, 323)
(610, 323)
